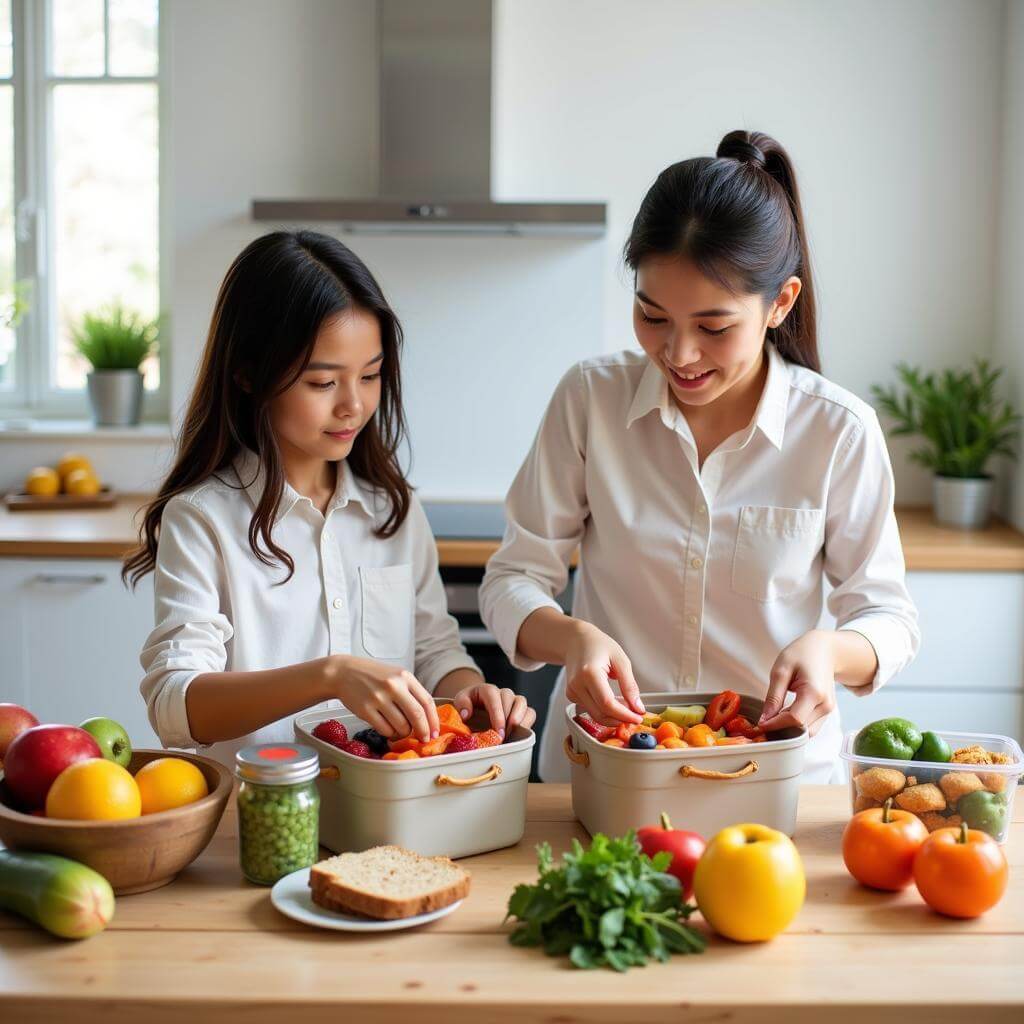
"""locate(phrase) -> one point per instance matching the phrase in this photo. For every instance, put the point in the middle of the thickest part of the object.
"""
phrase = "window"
(79, 187)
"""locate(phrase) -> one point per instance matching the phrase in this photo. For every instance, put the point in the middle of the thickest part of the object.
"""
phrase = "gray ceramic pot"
(116, 397)
(962, 502)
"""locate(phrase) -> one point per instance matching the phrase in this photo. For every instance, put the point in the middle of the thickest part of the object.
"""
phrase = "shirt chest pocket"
(776, 551)
(388, 610)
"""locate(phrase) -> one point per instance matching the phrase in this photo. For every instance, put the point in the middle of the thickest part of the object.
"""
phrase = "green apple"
(684, 717)
(111, 737)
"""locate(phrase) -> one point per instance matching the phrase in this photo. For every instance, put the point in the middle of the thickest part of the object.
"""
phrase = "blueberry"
(373, 740)
(642, 741)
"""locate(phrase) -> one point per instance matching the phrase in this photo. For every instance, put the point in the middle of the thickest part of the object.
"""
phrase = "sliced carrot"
(731, 741)
(436, 746)
(407, 743)
(451, 721)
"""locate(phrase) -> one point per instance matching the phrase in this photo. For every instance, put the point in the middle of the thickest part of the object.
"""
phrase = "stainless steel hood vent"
(435, 136)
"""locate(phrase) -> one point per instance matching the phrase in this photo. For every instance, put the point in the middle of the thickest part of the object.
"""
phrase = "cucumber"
(64, 897)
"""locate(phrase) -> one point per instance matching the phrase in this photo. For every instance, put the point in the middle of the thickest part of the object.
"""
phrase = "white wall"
(1009, 349)
(890, 111)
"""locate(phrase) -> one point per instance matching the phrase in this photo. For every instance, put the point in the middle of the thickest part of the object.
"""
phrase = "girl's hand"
(807, 667)
(390, 699)
(591, 659)
(505, 708)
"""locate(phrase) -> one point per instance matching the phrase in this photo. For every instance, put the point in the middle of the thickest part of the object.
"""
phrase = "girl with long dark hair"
(714, 483)
(294, 566)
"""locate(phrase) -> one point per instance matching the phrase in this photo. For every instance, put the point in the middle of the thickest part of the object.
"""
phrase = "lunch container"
(955, 784)
(454, 805)
(703, 789)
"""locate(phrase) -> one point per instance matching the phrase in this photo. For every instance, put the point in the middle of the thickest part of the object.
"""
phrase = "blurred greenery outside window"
(79, 189)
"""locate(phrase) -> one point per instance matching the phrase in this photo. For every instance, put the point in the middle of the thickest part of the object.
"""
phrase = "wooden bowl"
(137, 854)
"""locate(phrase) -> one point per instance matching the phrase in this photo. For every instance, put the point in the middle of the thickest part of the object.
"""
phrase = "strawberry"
(332, 731)
(357, 748)
(461, 744)
(487, 738)
(596, 729)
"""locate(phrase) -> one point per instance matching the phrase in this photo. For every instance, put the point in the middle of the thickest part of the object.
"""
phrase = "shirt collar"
(770, 417)
(251, 476)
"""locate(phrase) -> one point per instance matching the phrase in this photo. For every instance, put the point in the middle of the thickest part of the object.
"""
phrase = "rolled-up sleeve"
(864, 557)
(191, 630)
(545, 511)
(438, 648)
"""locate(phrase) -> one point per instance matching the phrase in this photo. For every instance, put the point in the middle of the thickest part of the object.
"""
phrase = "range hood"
(435, 136)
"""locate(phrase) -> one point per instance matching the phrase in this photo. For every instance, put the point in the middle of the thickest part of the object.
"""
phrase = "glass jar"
(278, 810)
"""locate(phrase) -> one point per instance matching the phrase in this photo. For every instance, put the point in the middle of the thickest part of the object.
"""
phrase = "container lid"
(277, 764)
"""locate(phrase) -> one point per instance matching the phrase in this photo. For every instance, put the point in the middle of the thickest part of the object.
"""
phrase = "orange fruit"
(71, 461)
(93, 790)
(42, 482)
(81, 481)
(169, 782)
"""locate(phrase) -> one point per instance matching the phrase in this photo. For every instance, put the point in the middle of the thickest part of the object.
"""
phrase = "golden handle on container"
(582, 757)
(446, 780)
(330, 772)
(689, 772)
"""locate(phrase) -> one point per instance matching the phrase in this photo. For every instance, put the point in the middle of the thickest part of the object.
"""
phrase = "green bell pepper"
(893, 738)
(984, 811)
(933, 748)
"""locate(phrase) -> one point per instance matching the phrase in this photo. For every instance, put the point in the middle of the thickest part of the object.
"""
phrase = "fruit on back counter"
(685, 849)
(608, 905)
(960, 872)
(14, 720)
(74, 474)
(38, 755)
(66, 898)
(112, 738)
(455, 738)
(749, 884)
(880, 844)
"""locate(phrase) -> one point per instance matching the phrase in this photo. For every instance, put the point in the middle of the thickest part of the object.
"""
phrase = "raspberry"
(333, 732)
(460, 744)
(357, 748)
(596, 729)
(487, 738)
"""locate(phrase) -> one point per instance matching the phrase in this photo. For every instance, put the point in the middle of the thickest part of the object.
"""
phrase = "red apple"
(686, 849)
(14, 719)
(38, 755)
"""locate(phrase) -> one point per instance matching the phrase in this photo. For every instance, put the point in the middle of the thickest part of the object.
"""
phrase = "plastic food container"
(454, 805)
(703, 789)
(980, 794)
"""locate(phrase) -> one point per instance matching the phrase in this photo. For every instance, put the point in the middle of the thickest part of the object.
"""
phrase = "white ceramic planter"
(964, 503)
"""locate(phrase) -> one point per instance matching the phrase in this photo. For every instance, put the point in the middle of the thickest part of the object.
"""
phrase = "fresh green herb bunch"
(610, 905)
(958, 415)
(115, 338)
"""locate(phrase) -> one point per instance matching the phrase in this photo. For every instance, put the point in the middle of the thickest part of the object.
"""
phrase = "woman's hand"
(505, 708)
(390, 699)
(808, 668)
(591, 659)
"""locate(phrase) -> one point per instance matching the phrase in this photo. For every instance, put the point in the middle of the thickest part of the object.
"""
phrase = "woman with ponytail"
(713, 483)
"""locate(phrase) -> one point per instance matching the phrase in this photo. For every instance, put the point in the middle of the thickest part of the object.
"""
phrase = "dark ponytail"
(737, 217)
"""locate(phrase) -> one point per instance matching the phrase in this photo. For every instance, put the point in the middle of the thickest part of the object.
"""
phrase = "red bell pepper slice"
(723, 707)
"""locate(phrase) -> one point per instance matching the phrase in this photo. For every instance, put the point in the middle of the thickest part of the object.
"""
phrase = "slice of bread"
(387, 882)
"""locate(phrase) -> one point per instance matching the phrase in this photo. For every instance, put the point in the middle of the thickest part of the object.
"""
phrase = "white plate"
(293, 897)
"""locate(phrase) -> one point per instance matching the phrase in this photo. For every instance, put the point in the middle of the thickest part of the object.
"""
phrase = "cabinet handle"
(70, 577)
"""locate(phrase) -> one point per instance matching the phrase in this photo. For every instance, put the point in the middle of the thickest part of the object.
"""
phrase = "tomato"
(686, 849)
(879, 846)
(740, 725)
(699, 736)
(960, 872)
(722, 707)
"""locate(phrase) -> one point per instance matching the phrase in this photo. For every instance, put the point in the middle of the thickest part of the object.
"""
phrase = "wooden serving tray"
(21, 502)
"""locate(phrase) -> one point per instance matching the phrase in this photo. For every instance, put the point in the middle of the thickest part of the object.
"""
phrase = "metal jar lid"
(277, 764)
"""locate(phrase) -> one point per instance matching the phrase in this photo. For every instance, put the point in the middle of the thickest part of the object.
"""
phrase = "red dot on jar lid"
(277, 753)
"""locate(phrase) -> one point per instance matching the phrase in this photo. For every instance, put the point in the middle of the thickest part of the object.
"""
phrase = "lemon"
(42, 482)
(72, 461)
(94, 790)
(81, 481)
(169, 782)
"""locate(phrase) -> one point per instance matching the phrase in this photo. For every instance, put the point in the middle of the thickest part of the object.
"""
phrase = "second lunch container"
(703, 789)
(454, 805)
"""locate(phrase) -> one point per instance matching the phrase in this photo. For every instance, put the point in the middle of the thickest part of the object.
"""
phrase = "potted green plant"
(963, 424)
(115, 342)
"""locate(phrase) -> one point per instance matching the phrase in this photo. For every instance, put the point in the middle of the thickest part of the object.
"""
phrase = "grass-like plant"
(115, 338)
(957, 413)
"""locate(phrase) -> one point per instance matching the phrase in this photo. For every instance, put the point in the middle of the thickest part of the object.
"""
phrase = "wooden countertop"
(211, 948)
(109, 533)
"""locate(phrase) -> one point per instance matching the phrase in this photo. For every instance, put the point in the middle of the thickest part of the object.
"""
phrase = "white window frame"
(34, 393)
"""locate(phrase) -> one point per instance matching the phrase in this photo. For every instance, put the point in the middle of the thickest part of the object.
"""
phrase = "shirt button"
(690, 680)
(691, 619)
(696, 563)
(338, 603)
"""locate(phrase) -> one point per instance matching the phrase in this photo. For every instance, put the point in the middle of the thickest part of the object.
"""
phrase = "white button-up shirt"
(217, 608)
(704, 574)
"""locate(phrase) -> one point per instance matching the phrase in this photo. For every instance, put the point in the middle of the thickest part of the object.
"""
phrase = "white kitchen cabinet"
(70, 637)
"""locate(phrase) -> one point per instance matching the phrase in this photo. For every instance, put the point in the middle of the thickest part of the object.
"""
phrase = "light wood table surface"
(210, 947)
(109, 533)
